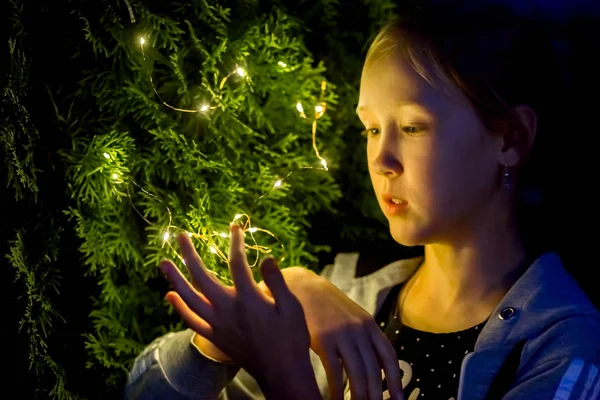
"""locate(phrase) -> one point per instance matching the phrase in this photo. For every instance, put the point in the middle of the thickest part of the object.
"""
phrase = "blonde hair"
(427, 59)
(497, 61)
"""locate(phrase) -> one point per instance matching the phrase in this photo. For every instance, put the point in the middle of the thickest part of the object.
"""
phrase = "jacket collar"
(544, 294)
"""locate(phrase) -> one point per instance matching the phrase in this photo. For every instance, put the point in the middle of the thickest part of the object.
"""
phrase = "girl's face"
(428, 148)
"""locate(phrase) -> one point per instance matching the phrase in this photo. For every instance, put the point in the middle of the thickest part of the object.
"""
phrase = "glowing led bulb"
(142, 41)
(319, 109)
(204, 108)
(189, 234)
(107, 156)
(324, 163)
(278, 183)
(252, 230)
(299, 107)
(166, 236)
(223, 235)
(282, 64)
(212, 250)
(115, 176)
(237, 216)
(241, 72)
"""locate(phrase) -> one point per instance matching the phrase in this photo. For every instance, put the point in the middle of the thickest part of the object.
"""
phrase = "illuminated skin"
(427, 146)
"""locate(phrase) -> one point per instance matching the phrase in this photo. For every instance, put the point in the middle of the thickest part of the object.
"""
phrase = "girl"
(452, 107)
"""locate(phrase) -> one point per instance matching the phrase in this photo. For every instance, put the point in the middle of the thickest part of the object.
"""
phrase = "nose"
(385, 159)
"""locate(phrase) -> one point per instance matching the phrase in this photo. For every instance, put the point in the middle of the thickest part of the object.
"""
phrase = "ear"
(516, 143)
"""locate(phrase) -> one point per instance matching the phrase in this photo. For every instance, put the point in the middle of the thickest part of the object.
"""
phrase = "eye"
(412, 130)
(370, 132)
(409, 130)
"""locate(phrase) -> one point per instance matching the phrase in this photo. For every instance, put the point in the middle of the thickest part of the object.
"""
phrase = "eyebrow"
(401, 103)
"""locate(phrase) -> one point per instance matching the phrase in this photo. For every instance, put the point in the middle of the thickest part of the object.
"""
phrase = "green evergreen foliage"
(95, 168)
(98, 169)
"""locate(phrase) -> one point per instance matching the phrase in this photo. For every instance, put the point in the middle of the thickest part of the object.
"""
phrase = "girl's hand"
(265, 335)
(346, 336)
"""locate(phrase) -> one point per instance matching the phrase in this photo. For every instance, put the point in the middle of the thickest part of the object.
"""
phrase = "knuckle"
(359, 330)
(239, 308)
(238, 256)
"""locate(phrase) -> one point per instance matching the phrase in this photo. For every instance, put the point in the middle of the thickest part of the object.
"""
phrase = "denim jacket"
(545, 311)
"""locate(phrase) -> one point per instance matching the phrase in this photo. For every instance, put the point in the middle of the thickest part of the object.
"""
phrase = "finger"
(194, 300)
(334, 372)
(353, 364)
(373, 369)
(389, 360)
(191, 319)
(263, 288)
(238, 264)
(201, 278)
(285, 301)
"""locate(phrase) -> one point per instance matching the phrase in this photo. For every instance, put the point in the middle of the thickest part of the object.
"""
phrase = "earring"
(507, 177)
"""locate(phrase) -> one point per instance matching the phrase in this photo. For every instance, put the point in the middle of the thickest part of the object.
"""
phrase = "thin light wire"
(238, 70)
(130, 10)
(247, 226)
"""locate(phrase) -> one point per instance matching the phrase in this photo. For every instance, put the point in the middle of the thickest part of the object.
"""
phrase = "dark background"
(51, 43)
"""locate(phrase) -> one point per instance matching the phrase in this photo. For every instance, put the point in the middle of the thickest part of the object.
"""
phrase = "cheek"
(376, 181)
(375, 178)
(442, 176)
(457, 181)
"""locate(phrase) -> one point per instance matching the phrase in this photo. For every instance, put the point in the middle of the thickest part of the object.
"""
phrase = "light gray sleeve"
(172, 367)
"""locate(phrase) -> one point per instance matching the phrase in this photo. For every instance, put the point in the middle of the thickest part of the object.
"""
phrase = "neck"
(478, 266)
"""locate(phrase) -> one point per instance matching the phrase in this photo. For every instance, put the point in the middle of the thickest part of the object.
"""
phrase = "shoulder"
(575, 336)
(559, 329)
(563, 362)
(368, 291)
(546, 298)
(353, 268)
(556, 318)
(548, 311)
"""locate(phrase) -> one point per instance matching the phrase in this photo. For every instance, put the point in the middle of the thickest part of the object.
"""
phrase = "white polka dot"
(418, 339)
(442, 345)
(476, 327)
(466, 351)
(395, 317)
(411, 364)
(432, 370)
(382, 324)
(458, 336)
(422, 394)
(450, 362)
(401, 347)
(397, 332)
(454, 375)
(439, 386)
(426, 355)
(418, 379)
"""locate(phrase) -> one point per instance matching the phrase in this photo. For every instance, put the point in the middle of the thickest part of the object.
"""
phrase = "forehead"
(389, 80)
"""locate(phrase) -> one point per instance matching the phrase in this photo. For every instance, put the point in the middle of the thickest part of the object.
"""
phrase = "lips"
(390, 208)
(387, 197)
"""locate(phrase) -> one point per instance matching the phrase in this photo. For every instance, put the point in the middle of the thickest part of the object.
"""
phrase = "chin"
(407, 237)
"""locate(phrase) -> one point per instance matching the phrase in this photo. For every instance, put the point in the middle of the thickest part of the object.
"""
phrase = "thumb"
(276, 284)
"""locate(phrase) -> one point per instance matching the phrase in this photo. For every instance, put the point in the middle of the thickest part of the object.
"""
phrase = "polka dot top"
(430, 362)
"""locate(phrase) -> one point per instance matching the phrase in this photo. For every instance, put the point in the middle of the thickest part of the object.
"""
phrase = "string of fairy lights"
(205, 108)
